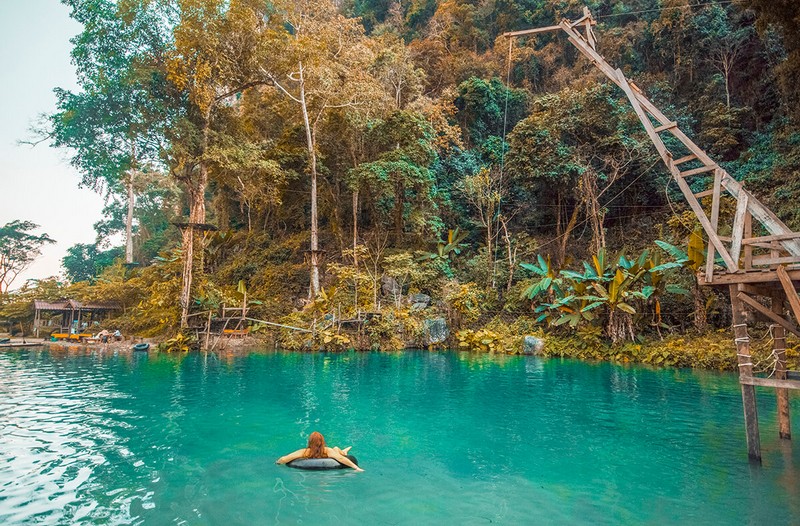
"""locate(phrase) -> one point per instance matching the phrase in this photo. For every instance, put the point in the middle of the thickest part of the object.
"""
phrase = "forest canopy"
(328, 151)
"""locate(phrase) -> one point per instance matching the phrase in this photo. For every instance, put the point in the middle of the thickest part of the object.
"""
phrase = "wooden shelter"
(760, 255)
(63, 315)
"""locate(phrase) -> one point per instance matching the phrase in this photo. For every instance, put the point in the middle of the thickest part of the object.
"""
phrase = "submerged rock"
(436, 331)
(532, 345)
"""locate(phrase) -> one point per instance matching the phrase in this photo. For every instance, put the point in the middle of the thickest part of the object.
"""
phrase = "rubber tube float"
(320, 464)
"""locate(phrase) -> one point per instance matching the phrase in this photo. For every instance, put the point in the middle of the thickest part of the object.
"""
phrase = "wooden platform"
(748, 277)
(19, 345)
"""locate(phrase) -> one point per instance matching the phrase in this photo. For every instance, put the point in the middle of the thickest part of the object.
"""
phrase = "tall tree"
(84, 262)
(112, 125)
(213, 57)
(327, 60)
(19, 247)
(398, 179)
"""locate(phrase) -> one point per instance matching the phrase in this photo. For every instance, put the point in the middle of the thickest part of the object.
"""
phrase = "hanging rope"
(496, 219)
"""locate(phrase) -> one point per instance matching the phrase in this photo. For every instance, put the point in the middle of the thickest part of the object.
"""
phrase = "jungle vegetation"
(349, 154)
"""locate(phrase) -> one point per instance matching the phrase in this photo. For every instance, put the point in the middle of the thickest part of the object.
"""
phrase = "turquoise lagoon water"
(445, 438)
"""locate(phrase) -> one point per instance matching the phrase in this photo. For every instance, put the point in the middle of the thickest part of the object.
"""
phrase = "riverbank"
(713, 350)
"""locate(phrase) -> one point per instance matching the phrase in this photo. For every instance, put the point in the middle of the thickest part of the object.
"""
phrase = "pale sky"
(38, 184)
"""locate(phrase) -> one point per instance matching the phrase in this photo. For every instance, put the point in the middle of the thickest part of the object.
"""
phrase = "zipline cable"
(589, 217)
(725, 2)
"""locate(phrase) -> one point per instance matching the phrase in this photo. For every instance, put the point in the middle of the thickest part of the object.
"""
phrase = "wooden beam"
(791, 292)
(648, 126)
(770, 260)
(755, 290)
(768, 313)
(702, 169)
(715, 204)
(546, 29)
(771, 382)
(745, 360)
(711, 231)
(757, 276)
(704, 193)
(738, 227)
(690, 157)
(747, 249)
(769, 239)
(667, 126)
(764, 215)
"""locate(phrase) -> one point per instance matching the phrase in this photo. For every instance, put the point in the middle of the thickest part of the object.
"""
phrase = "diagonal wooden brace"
(791, 292)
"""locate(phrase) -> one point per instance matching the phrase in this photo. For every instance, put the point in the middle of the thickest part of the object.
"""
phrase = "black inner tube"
(319, 464)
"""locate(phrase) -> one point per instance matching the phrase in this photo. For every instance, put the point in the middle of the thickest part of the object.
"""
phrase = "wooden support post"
(745, 372)
(208, 329)
(717, 194)
(738, 226)
(779, 348)
(748, 249)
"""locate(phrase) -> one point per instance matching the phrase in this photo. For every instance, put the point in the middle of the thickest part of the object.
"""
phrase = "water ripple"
(445, 438)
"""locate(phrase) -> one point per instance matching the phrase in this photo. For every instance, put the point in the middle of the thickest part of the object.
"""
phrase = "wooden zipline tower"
(760, 254)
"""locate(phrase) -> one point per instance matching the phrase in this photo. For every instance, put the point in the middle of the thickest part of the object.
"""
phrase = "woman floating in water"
(317, 449)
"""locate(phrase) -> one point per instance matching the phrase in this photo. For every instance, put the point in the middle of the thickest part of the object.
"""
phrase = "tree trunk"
(559, 221)
(196, 185)
(512, 260)
(129, 222)
(593, 211)
(312, 157)
(489, 251)
(700, 315)
(355, 229)
(399, 191)
(197, 215)
(562, 249)
(620, 326)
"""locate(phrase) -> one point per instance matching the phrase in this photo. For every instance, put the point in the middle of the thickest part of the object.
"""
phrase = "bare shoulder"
(300, 453)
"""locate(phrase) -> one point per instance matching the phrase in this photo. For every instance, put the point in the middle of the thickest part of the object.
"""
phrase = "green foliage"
(446, 250)
(203, 106)
(84, 262)
(611, 292)
(399, 182)
(19, 247)
(181, 342)
(483, 340)
(466, 302)
(485, 108)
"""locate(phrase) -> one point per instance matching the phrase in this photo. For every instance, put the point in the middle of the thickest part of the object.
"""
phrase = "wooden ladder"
(781, 239)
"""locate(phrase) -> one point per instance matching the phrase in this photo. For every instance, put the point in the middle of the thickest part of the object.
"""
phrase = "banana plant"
(616, 298)
(691, 260)
(549, 282)
(449, 248)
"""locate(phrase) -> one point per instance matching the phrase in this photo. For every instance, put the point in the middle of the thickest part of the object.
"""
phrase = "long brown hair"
(316, 446)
